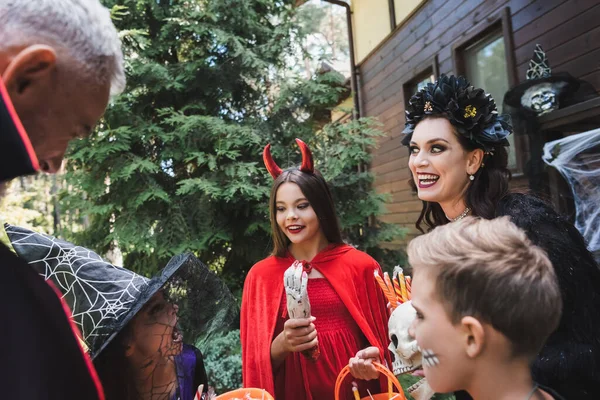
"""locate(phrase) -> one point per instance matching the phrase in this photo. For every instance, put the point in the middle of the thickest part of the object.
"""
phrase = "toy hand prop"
(295, 281)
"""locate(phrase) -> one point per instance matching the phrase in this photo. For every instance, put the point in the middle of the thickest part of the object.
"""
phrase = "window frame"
(499, 21)
(422, 69)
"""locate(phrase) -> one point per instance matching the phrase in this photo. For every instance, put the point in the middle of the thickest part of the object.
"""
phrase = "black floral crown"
(472, 112)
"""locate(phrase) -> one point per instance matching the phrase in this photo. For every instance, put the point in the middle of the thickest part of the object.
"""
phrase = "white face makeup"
(429, 358)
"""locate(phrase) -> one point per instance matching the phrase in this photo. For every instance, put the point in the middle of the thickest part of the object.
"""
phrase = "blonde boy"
(486, 301)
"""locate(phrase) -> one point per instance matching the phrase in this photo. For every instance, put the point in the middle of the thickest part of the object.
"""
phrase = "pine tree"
(31, 202)
(175, 165)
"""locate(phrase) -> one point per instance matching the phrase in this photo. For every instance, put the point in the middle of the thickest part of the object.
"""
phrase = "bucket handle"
(379, 367)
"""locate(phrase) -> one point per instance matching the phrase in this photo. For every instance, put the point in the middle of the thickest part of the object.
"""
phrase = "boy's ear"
(474, 336)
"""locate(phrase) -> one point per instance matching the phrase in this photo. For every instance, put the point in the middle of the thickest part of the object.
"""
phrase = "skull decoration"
(542, 98)
(403, 347)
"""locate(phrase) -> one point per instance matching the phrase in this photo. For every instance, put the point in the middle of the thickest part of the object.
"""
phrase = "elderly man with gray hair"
(60, 60)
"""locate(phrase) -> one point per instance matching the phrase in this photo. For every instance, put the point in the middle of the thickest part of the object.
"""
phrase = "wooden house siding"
(568, 30)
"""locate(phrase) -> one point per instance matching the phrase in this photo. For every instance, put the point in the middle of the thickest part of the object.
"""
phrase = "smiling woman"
(435, 152)
(457, 143)
(458, 160)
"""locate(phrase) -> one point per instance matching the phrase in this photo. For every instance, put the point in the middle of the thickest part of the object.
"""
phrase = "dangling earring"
(472, 177)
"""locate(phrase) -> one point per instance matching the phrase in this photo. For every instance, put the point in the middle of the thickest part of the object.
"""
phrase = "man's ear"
(474, 161)
(31, 67)
(474, 336)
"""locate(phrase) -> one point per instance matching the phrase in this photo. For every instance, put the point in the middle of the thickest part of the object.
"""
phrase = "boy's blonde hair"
(488, 269)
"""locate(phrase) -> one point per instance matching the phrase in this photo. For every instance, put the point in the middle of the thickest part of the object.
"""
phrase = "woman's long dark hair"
(113, 369)
(483, 193)
(316, 191)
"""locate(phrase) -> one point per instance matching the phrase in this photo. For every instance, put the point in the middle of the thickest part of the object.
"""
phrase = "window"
(428, 74)
(486, 58)
(422, 82)
(419, 83)
(485, 67)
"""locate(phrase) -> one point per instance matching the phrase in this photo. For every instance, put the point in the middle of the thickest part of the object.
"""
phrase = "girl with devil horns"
(300, 358)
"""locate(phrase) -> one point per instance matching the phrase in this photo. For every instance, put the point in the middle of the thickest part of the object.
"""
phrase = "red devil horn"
(272, 167)
(307, 158)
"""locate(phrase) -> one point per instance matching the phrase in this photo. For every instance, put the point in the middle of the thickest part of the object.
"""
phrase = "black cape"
(17, 157)
(41, 356)
(569, 363)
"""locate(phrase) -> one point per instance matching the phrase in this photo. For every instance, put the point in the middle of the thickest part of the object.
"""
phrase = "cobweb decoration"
(98, 293)
(577, 158)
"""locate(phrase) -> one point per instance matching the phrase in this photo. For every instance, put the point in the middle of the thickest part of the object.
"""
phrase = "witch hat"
(542, 91)
(103, 297)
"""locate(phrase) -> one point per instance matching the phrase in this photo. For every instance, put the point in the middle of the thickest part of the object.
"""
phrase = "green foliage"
(346, 149)
(30, 202)
(176, 163)
(322, 36)
(223, 362)
(408, 380)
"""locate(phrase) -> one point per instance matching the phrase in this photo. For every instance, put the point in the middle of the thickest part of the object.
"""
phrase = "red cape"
(348, 270)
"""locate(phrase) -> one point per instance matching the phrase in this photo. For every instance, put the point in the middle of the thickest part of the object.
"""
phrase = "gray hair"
(83, 29)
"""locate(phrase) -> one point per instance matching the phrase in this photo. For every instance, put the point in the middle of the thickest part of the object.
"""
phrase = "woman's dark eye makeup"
(435, 148)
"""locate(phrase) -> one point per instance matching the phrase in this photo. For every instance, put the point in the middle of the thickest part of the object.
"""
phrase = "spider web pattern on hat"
(109, 299)
(98, 293)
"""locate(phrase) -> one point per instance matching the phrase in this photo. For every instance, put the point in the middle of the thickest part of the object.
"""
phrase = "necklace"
(461, 216)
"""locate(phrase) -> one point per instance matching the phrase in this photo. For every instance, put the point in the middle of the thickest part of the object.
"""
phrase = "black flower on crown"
(472, 112)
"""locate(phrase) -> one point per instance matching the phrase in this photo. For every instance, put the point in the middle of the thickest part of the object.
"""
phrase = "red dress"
(360, 320)
(339, 339)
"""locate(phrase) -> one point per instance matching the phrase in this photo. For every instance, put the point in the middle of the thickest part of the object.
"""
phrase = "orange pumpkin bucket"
(380, 396)
(246, 394)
